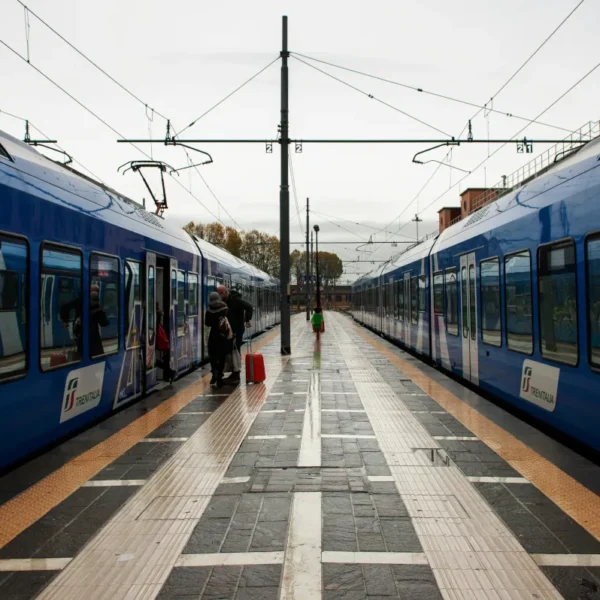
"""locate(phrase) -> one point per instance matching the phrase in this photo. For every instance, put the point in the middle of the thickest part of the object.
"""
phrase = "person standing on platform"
(240, 317)
(220, 338)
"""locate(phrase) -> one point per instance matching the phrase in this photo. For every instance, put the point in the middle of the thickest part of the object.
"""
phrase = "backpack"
(225, 328)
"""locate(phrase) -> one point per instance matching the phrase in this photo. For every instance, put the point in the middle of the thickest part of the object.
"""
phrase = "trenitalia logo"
(83, 391)
(539, 384)
(526, 379)
(70, 395)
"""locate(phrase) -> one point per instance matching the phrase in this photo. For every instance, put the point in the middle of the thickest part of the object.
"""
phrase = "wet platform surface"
(353, 472)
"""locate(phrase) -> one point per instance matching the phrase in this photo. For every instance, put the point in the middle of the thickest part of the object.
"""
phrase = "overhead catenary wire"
(516, 134)
(104, 122)
(209, 188)
(483, 108)
(437, 95)
(89, 60)
(354, 222)
(294, 192)
(147, 107)
(372, 97)
(237, 89)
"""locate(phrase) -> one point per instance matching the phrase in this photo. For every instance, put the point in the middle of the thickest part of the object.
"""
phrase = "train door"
(407, 309)
(468, 299)
(173, 310)
(150, 320)
(132, 372)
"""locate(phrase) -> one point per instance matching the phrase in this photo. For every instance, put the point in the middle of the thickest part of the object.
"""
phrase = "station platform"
(354, 472)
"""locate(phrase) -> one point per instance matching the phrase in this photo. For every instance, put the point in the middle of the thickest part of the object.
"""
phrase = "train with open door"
(508, 297)
(84, 275)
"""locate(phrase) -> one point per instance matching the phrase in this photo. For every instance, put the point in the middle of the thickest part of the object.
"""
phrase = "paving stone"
(255, 593)
(269, 536)
(64, 544)
(336, 504)
(261, 576)
(345, 595)
(343, 577)
(574, 583)
(222, 583)
(184, 582)
(221, 507)
(23, 585)
(237, 540)
(275, 509)
(379, 580)
(400, 535)
(207, 537)
(416, 582)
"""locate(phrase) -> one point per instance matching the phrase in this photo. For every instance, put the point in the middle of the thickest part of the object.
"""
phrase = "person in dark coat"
(240, 317)
(98, 319)
(219, 338)
(162, 344)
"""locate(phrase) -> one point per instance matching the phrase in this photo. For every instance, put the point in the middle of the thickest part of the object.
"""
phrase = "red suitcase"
(255, 366)
(58, 358)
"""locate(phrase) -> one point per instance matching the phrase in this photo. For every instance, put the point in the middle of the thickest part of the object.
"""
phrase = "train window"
(422, 293)
(463, 299)
(61, 307)
(193, 293)
(133, 298)
(104, 305)
(593, 297)
(414, 300)
(517, 285)
(180, 302)
(491, 321)
(438, 293)
(14, 261)
(451, 302)
(557, 287)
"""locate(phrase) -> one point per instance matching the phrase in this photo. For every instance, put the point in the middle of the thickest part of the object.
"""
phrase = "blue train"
(508, 297)
(84, 274)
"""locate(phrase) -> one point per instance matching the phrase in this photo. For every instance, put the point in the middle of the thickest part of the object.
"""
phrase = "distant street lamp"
(316, 228)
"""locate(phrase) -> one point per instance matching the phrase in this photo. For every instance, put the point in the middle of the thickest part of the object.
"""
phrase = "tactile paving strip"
(580, 503)
(134, 554)
(470, 550)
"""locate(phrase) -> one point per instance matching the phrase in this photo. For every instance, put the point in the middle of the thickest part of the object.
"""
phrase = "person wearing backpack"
(220, 338)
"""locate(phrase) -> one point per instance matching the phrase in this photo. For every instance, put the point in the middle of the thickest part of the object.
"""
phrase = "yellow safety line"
(580, 503)
(21, 512)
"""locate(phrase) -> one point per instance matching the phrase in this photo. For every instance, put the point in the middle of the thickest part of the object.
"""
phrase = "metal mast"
(284, 199)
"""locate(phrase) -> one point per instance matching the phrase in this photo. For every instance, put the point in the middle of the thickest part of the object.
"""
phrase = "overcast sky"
(183, 56)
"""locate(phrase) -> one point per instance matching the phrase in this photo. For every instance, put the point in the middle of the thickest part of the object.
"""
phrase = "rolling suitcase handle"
(249, 363)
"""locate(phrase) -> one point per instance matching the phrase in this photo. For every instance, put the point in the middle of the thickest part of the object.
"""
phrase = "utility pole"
(316, 228)
(284, 198)
(307, 277)
(417, 221)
